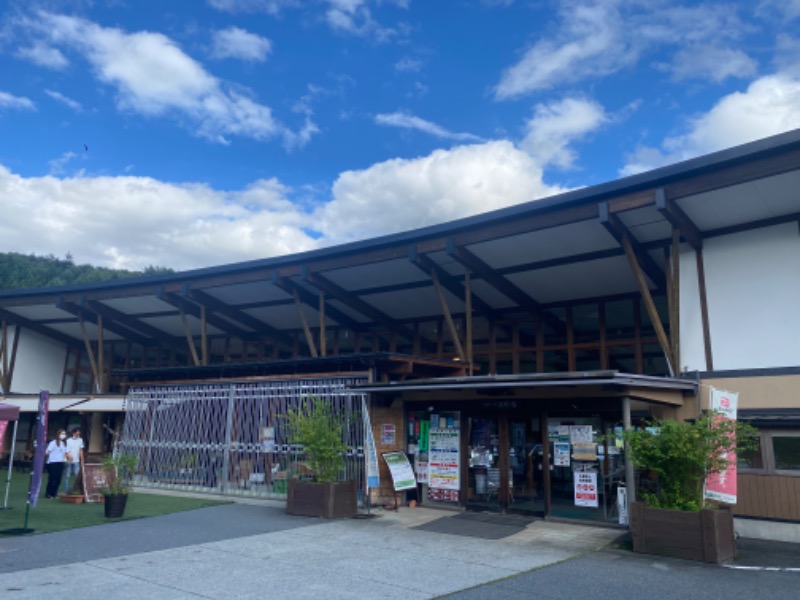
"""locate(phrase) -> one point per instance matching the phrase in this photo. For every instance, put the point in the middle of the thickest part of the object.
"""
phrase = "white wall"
(39, 364)
(753, 290)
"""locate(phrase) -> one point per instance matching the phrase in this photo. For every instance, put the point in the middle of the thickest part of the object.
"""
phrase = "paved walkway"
(241, 551)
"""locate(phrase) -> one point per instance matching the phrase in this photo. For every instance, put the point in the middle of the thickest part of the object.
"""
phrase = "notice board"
(400, 470)
(95, 478)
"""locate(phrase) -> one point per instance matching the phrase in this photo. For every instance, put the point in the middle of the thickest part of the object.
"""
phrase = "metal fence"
(231, 438)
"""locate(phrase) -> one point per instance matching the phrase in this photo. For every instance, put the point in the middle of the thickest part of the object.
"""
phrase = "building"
(480, 347)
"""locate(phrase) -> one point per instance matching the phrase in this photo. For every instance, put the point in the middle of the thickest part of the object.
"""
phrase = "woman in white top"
(56, 455)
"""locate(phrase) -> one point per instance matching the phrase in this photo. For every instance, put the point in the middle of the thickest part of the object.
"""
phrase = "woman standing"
(56, 455)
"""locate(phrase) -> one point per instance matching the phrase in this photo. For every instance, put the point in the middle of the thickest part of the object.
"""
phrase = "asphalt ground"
(257, 551)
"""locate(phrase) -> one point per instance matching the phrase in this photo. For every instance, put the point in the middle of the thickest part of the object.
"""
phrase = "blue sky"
(188, 134)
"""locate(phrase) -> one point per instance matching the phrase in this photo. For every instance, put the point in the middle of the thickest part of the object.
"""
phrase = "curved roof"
(520, 259)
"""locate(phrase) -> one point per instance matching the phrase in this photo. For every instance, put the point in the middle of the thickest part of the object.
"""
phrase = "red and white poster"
(586, 489)
(722, 486)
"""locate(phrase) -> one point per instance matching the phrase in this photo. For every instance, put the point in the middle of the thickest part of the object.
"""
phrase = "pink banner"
(3, 425)
(722, 486)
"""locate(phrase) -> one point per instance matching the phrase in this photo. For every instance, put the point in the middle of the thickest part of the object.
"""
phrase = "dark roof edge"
(660, 176)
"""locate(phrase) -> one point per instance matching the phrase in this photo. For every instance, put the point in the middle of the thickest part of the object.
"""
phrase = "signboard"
(3, 425)
(561, 454)
(584, 451)
(424, 428)
(722, 486)
(421, 467)
(401, 471)
(585, 489)
(443, 459)
(580, 434)
(94, 480)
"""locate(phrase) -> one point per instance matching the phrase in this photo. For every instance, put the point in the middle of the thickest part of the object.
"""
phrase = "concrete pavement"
(181, 556)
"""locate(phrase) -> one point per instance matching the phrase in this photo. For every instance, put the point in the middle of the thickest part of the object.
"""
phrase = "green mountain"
(19, 271)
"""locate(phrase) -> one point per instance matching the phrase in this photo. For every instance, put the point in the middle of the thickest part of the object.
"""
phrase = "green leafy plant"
(315, 425)
(676, 456)
(119, 472)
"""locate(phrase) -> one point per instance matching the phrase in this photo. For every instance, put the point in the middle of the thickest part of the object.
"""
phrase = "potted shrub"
(319, 429)
(118, 475)
(672, 516)
(74, 495)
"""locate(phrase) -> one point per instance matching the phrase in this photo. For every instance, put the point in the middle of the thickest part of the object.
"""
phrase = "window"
(778, 452)
(786, 451)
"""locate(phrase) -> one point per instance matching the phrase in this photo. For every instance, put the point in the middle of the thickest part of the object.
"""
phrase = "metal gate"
(230, 438)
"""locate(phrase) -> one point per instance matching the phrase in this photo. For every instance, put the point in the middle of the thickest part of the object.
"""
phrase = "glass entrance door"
(526, 478)
(484, 485)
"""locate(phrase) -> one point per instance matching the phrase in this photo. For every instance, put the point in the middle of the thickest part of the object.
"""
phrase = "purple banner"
(40, 448)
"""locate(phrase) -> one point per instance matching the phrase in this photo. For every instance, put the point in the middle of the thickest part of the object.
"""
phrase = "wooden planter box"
(706, 536)
(326, 500)
(71, 498)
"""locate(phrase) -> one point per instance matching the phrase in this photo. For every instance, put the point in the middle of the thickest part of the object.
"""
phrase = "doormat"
(486, 526)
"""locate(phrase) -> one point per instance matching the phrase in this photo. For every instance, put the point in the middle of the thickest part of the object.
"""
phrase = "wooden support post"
(675, 324)
(4, 355)
(101, 367)
(630, 482)
(648, 302)
(468, 304)
(203, 335)
(90, 352)
(322, 334)
(189, 338)
(548, 488)
(448, 318)
(701, 284)
(306, 330)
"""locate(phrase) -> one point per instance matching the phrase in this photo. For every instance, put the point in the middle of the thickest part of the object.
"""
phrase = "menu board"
(443, 458)
(94, 480)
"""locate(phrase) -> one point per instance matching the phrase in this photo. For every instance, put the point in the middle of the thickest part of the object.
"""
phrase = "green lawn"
(53, 515)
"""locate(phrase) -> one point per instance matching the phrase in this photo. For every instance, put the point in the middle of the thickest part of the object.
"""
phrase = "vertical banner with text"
(373, 477)
(722, 486)
(40, 448)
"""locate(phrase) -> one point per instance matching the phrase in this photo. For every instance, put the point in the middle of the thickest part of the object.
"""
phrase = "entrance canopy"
(572, 385)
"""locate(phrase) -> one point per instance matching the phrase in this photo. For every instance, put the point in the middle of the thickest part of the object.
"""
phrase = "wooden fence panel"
(768, 496)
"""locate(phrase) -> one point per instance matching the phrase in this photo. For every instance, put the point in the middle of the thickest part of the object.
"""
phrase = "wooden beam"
(95, 319)
(701, 285)
(312, 300)
(504, 286)
(357, 303)
(619, 231)
(679, 219)
(193, 309)
(644, 290)
(306, 330)
(238, 315)
(187, 331)
(134, 324)
(90, 353)
(38, 328)
(448, 318)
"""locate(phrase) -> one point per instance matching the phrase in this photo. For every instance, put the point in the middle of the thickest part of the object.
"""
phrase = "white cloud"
(43, 55)
(594, 38)
(150, 223)
(73, 104)
(407, 64)
(192, 225)
(270, 7)
(238, 43)
(556, 125)
(154, 77)
(770, 105)
(16, 102)
(403, 194)
(353, 17)
(59, 165)
(406, 120)
(785, 9)
(708, 62)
